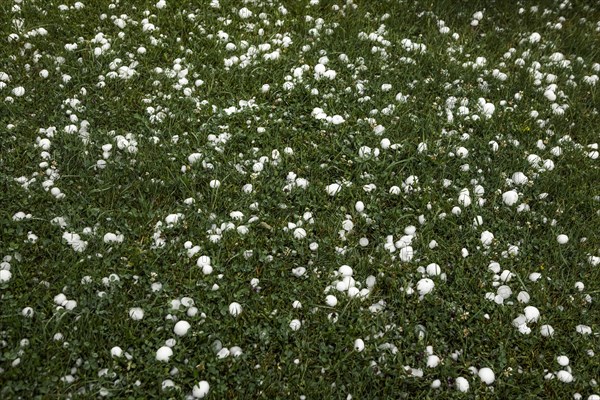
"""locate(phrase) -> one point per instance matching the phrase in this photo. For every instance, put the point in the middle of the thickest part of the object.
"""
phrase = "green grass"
(66, 353)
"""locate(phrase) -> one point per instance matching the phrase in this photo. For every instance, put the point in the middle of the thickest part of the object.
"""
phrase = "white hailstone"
(579, 286)
(337, 119)
(214, 184)
(532, 314)
(60, 299)
(161, 4)
(235, 351)
(433, 244)
(359, 206)
(406, 254)
(519, 178)
(348, 225)
(564, 376)
(353, 292)
(295, 324)
(136, 313)
(18, 91)
(331, 300)
(192, 312)
(181, 328)
(385, 143)
(546, 330)
(504, 291)
(296, 304)
(523, 297)
(359, 345)
(433, 269)
(27, 312)
(486, 238)
(333, 189)
(562, 360)
(164, 353)
(506, 276)
(425, 286)
(436, 384)
(116, 351)
(5, 276)
(462, 384)
(299, 233)
(299, 271)
(433, 361)
(207, 269)
(464, 198)
(345, 270)
(166, 384)
(200, 390)
(510, 198)
(562, 239)
(235, 309)
(223, 353)
(486, 375)
(534, 276)
(583, 329)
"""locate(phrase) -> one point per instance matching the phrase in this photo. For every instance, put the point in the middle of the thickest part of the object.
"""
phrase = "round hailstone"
(562, 360)
(464, 198)
(519, 178)
(532, 314)
(136, 313)
(359, 345)
(236, 351)
(564, 376)
(345, 270)
(164, 353)
(433, 361)
(181, 328)
(295, 324)
(167, 383)
(331, 300)
(523, 297)
(359, 206)
(486, 375)
(5, 275)
(425, 286)
(406, 254)
(353, 292)
(462, 384)
(546, 330)
(200, 390)
(504, 291)
(235, 309)
(487, 238)
(116, 351)
(333, 189)
(27, 312)
(299, 233)
(433, 269)
(510, 198)
(436, 384)
(562, 239)
(583, 329)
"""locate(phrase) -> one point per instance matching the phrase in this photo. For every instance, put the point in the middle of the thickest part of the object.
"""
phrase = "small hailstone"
(27, 312)
(534, 276)
(523, 297)
(235, 309)
(5, 275)
(519, 178)
(200, 390)
(564, 376)
(345, 270)
(359, 206)
(546, 330)
(181, 328)
(295, 324)
(532, 314)
(166, 384)
(562, 239)
(299, 233)
(486, 375)
(425, 286)
(562, 360)
(583, 329)
(359, 345)
(214, 184)
(136, 313)
(579, 286)
(333, 189)
(331, 300)
(164, 353)
(436, 384)
(510, 198)
(487, 238)
(223, 353)
(462, 384)
(116, 351)
(433, 269)
(433, 361)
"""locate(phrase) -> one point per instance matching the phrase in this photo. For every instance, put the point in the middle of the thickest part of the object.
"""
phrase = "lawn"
(299, 199)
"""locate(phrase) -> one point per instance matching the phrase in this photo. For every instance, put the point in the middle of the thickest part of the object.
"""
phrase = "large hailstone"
(487, 238)
(425, 286)
(462, 384)
(200, 389)
(235, 309)
(333, 189)
(181, 328)
(510, 198)
(532, 314)
(486, 375)
(164, 353)
(359, 345)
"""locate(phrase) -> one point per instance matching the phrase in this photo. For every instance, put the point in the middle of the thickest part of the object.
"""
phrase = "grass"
(135, 96)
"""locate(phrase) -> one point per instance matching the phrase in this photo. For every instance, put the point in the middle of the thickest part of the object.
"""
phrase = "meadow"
(306, 199)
